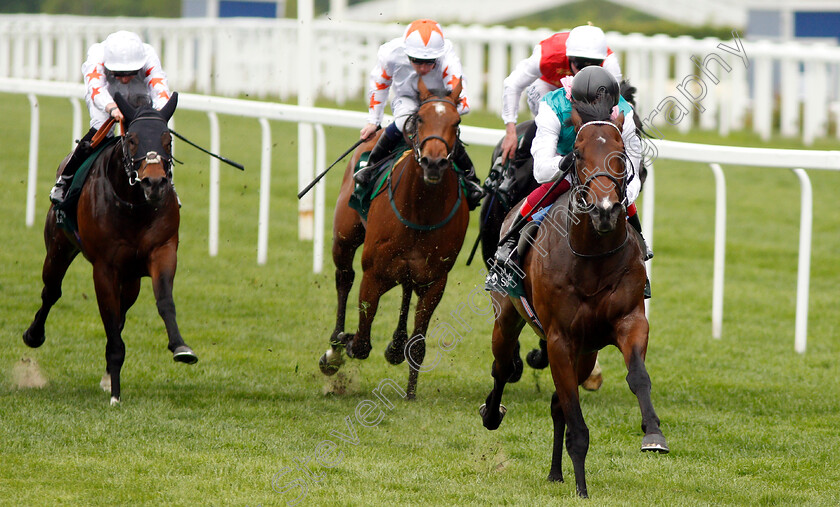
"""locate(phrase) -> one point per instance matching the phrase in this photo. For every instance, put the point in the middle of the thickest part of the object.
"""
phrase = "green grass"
(748, 420)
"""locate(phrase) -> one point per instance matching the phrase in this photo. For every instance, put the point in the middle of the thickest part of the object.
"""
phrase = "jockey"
(563, 54)
(121, 63)
(553, 148)
(423, 52)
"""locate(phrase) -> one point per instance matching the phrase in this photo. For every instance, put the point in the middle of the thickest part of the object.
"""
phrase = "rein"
(420, 227)
(415, 148)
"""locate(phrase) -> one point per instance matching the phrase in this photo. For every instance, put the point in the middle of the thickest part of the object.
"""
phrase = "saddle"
(363, 195)
(65, 213)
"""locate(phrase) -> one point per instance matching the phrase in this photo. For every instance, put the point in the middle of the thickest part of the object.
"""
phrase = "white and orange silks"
(100, 85)
(394, 72)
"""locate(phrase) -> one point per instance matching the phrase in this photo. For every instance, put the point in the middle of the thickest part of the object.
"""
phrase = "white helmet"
(587, 42)
(124, 52)
(424, 40)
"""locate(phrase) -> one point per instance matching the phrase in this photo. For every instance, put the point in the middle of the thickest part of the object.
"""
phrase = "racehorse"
(128, 219)
(412, 236)
(586, 287)
(515, 180)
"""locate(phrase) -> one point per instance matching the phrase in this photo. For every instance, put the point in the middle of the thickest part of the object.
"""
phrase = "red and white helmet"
(424, 40)
(124, 52)
(587, 42)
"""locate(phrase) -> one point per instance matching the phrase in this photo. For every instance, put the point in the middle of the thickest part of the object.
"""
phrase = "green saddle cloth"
(65, 213)
(363, 195)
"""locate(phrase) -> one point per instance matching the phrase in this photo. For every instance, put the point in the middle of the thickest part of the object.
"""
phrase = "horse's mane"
(439, 93)
(628, 91)
(599, 110)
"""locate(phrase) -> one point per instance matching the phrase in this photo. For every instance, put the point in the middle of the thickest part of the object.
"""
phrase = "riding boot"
(473, 187)
(80, 154)
(637, 225)
(648, 253)
(386, 143)
(498, 278)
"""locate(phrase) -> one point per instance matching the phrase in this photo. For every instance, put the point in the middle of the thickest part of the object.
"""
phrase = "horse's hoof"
(30, 339)
(593, 382)
(490, 423)
(355, 352)
(555, 476)
(537, 359)
(330, 362)
(184, 354)
(655, 442)
(115, 402)
(394, 355)
(340, 339)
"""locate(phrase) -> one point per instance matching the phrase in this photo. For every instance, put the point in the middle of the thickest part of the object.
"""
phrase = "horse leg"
(555, 474)
(632, 341)
(162, 263)
(107, 286)
(60, 254)
(506, 331)
(344, 249)
(568, 403)
(394, 352)
(128, 295)
(428, 298)
(371, 289)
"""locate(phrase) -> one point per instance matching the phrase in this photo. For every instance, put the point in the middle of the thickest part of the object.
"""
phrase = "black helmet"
(593, 83)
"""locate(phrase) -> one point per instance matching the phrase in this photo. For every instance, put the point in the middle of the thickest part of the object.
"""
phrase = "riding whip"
(495, 191)
(223, 159)
(318, 178)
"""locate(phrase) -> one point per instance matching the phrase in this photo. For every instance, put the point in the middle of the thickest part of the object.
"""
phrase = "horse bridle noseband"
(131, 163)
(417, 146)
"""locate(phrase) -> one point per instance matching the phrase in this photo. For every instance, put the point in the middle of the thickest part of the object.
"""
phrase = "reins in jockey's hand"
(324, 173)
(223, 159)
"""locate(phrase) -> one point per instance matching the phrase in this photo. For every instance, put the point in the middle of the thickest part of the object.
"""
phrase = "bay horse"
(586, 287)
(412, 236)
(128, 220)
(516, 181)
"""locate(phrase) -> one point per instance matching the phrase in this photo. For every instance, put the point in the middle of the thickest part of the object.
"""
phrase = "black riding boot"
(80, 154)
(386, 143)
(647, 253)
(634, 221)
(474, 189)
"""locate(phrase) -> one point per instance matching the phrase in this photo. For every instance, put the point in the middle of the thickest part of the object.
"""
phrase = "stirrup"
(59, 191)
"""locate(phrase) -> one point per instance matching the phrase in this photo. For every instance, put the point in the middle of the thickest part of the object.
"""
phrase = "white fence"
(797, 82)
(798, 160)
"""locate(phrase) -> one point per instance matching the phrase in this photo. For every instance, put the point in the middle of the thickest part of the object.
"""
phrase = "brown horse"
(127, 228)
(412, 237)
(586, 283)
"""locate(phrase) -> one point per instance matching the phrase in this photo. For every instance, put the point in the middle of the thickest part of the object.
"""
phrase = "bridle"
(411, 136)
(411, 132)
(578, 202)
(132, 164)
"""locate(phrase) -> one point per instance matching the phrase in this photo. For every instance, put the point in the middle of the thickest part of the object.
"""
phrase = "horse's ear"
(456, 91)
(126, 109)
(168, 109)
(421, 87)
(619, 122)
